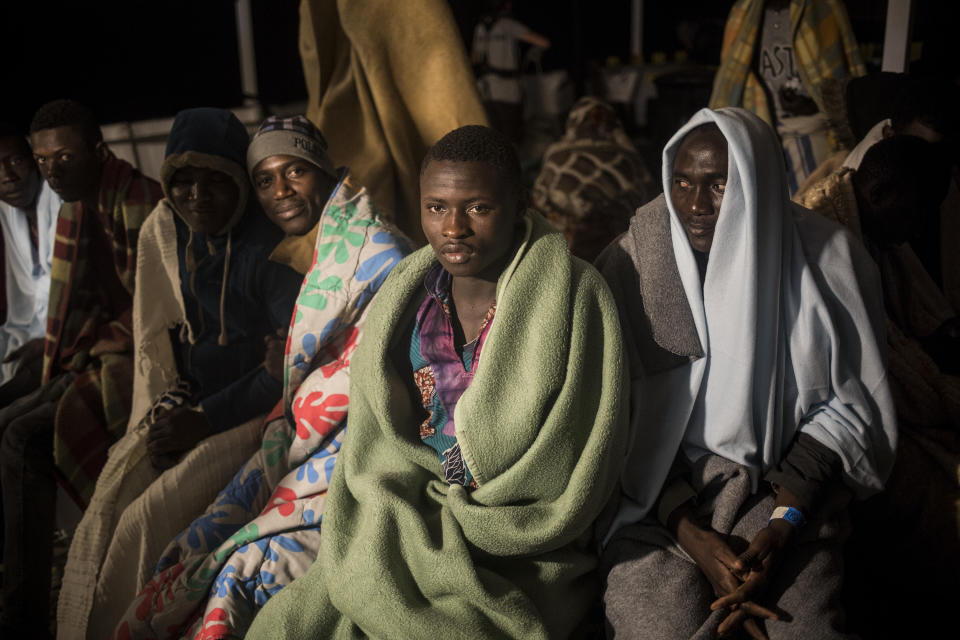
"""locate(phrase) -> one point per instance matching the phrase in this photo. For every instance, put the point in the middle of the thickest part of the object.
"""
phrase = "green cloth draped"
(543, 427)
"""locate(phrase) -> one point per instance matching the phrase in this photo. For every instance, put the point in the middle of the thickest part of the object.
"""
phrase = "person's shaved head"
(476, 143)
(68, 149)
(67, 113)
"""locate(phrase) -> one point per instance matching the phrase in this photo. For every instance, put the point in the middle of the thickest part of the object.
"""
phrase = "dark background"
(136, 60)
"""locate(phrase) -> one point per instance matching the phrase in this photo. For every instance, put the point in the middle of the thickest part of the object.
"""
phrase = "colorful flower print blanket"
(263, 530)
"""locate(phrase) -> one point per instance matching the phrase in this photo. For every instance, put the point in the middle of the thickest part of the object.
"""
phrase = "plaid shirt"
(823, 44)
(88, 304)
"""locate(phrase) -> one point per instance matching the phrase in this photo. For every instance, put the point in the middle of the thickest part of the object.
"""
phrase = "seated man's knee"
(32, 430)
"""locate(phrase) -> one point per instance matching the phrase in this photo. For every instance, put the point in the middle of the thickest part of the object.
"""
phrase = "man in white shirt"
(496, 51)
(28, 220)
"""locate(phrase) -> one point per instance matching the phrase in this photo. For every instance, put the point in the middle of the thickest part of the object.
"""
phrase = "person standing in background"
(496, 56)
(786, 61)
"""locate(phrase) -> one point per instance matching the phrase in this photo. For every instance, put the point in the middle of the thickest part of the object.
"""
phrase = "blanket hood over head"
(790, 324)
(211, 139)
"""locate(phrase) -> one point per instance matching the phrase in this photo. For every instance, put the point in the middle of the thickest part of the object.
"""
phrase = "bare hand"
(175, 433)
(943, 345)
(724, 570)
(950, 328)
(28, 352)
(273, 360)
(710, 551)
(162, 462)
(754, 567)
(745, 616)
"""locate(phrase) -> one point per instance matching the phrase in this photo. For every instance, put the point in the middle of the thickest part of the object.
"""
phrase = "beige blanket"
(135, 511)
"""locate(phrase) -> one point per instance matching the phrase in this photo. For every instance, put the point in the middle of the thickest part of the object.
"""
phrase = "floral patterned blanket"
(263, 530)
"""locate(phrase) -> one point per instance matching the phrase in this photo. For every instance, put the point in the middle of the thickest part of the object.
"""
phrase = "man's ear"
(888, 131)
(101, 151)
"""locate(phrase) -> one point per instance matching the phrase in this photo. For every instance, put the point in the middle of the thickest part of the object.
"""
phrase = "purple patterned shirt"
(442, 374)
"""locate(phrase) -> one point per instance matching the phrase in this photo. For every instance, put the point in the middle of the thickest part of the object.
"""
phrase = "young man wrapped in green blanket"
(488, 425)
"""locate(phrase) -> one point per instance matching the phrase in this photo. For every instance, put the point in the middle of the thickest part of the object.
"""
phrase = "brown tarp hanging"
(386, 80)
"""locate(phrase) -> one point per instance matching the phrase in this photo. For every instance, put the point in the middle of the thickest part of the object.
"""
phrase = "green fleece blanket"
(543, 428)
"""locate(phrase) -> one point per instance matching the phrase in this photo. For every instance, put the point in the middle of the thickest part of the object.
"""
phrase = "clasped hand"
(29, 354)
(737, 581)
(173, 434)
(275, 347)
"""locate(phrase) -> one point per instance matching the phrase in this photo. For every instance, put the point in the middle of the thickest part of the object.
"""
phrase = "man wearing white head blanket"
(759, 396)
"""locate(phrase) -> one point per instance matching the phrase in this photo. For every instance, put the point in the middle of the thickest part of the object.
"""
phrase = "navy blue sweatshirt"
(233, 386)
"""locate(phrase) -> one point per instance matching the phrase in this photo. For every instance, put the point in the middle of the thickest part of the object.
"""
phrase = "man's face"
(206, 199)
(69, 162)
(292, 192)
(699, 180)
(19, 180)
(468, 216)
